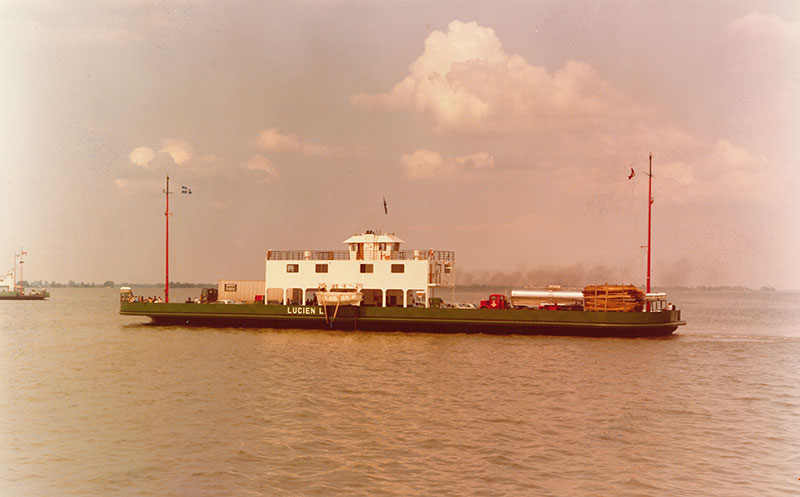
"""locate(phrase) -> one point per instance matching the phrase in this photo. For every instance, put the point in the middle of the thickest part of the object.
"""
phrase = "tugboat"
(10, 290)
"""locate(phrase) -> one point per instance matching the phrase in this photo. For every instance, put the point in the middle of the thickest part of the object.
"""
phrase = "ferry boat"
(10, 289)
(373, 285)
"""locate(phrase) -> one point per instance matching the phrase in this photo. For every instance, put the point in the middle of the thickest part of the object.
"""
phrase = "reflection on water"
(93, 403)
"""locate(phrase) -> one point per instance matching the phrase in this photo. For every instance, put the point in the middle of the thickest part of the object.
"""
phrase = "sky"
(505, 131)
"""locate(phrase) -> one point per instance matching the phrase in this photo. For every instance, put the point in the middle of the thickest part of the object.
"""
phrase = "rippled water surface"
(96, 404)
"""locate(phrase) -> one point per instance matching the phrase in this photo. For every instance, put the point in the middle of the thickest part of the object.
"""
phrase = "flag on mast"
(185, 189)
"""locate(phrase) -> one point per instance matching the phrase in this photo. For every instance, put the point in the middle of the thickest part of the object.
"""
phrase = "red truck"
(495, 301)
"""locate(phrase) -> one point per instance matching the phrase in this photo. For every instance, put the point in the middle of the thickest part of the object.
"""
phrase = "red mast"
(649, 221)
(21, 253)
(166, 261)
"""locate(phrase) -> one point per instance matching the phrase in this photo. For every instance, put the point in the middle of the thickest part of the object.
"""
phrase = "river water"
(95, 404)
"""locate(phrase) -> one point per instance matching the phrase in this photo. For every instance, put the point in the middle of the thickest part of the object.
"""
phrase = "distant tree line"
(699, 288)
(723, 288)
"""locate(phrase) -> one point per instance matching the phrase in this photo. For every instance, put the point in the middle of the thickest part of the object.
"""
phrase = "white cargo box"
(244, 291)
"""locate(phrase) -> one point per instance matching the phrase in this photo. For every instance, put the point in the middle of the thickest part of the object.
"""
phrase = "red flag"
(632, 174)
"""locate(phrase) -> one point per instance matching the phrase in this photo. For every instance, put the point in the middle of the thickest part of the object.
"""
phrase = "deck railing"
(343, 255)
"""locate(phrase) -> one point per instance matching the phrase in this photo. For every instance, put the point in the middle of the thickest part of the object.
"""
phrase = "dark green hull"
(434, 320)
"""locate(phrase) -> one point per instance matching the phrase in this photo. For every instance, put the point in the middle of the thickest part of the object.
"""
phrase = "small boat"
(10, 290)
(339, 296)
(336, 297)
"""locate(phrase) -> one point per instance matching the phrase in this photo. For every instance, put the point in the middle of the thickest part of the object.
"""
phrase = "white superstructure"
(8, 283)
(373, 261)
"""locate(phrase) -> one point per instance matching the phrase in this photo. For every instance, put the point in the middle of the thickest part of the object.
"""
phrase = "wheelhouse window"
(322, 268)
(398, 268)
(293, 268)
(366, 268)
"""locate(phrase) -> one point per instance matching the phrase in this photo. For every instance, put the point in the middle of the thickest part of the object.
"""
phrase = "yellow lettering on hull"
(313, 311)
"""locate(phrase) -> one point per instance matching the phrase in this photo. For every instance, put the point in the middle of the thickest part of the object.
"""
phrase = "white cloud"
(428, 164)
(736, 157)
(679, 173)
(179, 150)
(137, 186)
(481, 160)
(142, 156)
(738, 174)
(423, 164)
(264, 166)
(465, 81)
(271, 140)
(465, 84)
(756, 25)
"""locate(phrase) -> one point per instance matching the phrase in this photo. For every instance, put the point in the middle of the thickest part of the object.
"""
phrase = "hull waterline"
(428, 320)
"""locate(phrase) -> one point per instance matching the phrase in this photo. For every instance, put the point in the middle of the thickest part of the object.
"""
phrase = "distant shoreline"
(698, 288)
(53, 284)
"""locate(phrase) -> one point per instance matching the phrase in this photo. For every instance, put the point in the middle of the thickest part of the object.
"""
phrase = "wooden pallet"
(619, 298)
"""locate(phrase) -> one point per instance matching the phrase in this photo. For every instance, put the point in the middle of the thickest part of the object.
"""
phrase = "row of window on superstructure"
(365, 268)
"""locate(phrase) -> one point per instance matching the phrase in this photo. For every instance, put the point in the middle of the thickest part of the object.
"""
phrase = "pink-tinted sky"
(502, 130)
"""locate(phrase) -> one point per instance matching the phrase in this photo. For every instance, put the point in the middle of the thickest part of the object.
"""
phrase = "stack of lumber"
(620, 298)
